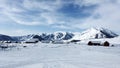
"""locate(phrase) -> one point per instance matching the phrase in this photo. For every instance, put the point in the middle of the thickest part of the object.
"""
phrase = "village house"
(57, 42)
(98, 43)
(35, 40)
(74, 41)
(45, 41)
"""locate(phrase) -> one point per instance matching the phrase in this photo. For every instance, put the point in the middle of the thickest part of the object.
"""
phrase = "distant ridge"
(96, 33)
(92, 33)
(5, 38)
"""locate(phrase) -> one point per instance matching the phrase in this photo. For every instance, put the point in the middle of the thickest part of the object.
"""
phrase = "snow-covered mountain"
(63, 35)
(23, 38)
(5, 38)
(54, 36)
(92, 33)
(95, 33)
(47, 36)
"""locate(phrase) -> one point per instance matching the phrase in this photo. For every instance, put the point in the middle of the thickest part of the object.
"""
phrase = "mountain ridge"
(92, 33)
(96, 33)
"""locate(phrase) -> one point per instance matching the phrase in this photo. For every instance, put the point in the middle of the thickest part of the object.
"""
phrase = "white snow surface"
(60, 56)
(113, 41)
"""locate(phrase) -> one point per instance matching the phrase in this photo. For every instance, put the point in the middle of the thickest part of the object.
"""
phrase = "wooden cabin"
(3, 47)
(57, 42)
(106, 43)
(7, 41)
(45, 41)
(32, 41)
(95, 43)
(74, 41)
(98, 43)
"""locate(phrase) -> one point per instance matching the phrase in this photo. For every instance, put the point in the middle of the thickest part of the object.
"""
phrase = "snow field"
(60, 56)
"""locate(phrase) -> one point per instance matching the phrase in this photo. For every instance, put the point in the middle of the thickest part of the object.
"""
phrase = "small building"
(45, 41)
(106, 43)
(95, 43)
(57, 42)
(7, 41)
(74, 41)
(98, 43)
(15, 41)
(3, 46)
(32, 41)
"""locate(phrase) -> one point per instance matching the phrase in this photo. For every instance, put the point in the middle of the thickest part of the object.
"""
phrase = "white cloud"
(43, 5)
(109, 17)
(105, 15)
(47, 15)
(22, 32)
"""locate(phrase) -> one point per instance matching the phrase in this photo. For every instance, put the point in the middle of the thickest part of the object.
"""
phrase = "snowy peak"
(59, 35)
(97, 33)
(108, 33)
(54, 36)
(92, 33)
(63, 35)
(23, 38)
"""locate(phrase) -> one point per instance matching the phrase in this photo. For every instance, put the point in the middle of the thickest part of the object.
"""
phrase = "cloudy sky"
(20, 17)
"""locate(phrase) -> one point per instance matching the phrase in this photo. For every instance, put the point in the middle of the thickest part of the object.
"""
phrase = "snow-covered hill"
(5, 38)
(95, 33)
(23, 38)
(92, 33)
(47, 36)
(54, 36)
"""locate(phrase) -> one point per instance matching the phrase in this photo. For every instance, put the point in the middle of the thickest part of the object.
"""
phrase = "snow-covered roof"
(32, 40)
(95, 41)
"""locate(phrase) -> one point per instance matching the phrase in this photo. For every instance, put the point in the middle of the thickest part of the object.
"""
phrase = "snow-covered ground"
(113, 41)
(60, 56)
